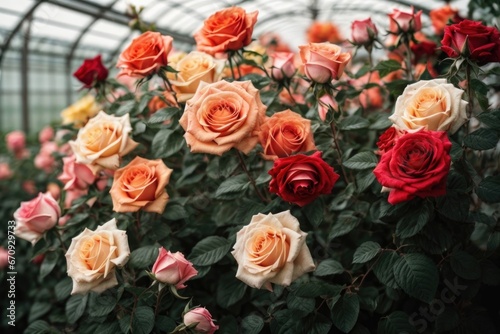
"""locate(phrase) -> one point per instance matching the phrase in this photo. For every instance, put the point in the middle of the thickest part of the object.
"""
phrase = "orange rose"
(157, 102)
(145, 55)
(441, 16)
(320, 32)
(223, 115)
(284, 134)
(227, 30)
(141, 185)
(323, 62)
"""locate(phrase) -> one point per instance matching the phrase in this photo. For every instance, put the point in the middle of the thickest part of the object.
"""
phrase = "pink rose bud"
(5, 171)
(201, 316)
(46, 134)
(4, 258)
(44, 159)
(76, 175)
(283, 65)
(326, 102)
(35, 217)
(405, 22)
(30, 187)
(16, 141)
(363, 32)
(173, 268)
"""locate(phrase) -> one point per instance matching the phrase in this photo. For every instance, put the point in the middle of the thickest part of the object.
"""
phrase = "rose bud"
(363, 32)
(202, 318)
(404, 21)
(323, 62)
(173, 268)
(283, 65)
(16, 141)
(91, 72)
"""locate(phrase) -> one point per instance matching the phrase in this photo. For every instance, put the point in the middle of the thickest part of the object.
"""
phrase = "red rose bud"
(300, 179)
(417, 166)
(91, 72)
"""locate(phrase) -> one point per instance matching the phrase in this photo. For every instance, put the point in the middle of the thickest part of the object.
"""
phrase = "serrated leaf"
(48, 264)
(209, 251)
(252, 324)
(315, 289)
(143, 320)
(38, 309)
(489, 189)
(329, 267)
(354, 123)
(320, 325)
(143, 257)
(236, 184)
(383, 269)
(75, 306)
(413, 222)
(346, 222)
(481, 139)
(387, 66)
(364, 179)
(465, 265)
(345, 312)
(365, 252)
(166, 143)
(417, 275)
(63, 288)
(303, 304)
(162, 115)
(175, 212)
(38, 327)
(101, 304)
(491, 119)
(396, 323)
(230, 290)
(315, 212)
(362, 160)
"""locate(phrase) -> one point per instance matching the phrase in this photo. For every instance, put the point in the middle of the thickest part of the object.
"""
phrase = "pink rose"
(363, 32)
(76, 175)
(325, 103)
(35, 217)
(405, 22)
(5, 171)
(72, 194)
(323, 62)
(283, 65)
(46, 134)
(201, 316)
(173, 268)
(44, 160)
(4, 258)
(16, 141)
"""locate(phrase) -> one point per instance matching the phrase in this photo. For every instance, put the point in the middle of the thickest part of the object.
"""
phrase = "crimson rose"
(417, 165)
(91, 71)
(483, 42)
(388, 139)
(300, 179)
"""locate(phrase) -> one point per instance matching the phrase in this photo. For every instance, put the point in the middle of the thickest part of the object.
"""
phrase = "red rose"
(388, 139)
(418, 165)
(300, 179)
(423, 49)
(483, 42)
(91, 72)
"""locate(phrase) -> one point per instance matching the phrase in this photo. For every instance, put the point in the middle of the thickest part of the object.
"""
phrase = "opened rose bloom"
(173, 268)
(405, 21)
(323, 62)
(223, 115)
(76, 175)
(388, 139)
(91, 72)
(272, 249)
(145, 55)
(103, 141)
(430, 104)
(81, 111)
(227, 30)
(35, 217)
(140, 185)
(202, 318)
(93, 256)
(285, 133)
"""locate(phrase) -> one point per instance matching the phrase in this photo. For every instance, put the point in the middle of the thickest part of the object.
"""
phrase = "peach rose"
(93, 255)
(145, 55)
(81, 111)
(141, 185)
(202, 318)
(227, 30)
(283, 65)
(36, 216)
(76, 175)
(193, 69)
(405, 22)
(103, 141)
(284, 134)
(5, 171)
(431, 104)
(323, 62)
(157, 102)
(173, 268)
(441, 16)
(16, 141)
(223, 115)
(272, 249)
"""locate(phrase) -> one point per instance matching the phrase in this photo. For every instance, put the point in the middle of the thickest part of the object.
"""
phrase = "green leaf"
(230, 290)
(315, 289)
(75, 306)
(360, 329)
(101, 304)
(454, 206)
(48, 264)
(383, 269)
(108, 328)
(465, 265)
(345, 312)
(162, 115)
(387, 66)
(367, 251)
(489, 189)
(143, 320)
(143, 257)
(319, 325)
(233, 185)
(63, 288)
(166, 143)
(417, 275)
(175, 212)
(209, 251)
(315, 212)
(353, 123)
(380, 122)
(303, 304)
(286, 321)
(396, 323)
(38, 327)
(413, 222)
(345, 223)
(38, 309)
(252, 324)
(447, 320)
(397, 87)
(329, 267)
(164, 323)
(481, 139)
(362, 160)
(491, 119)
(364, 179)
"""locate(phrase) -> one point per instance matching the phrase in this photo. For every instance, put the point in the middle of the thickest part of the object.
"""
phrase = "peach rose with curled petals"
(284, 134)
(145, 55)
(323, 62)
(93, 256)
(141, 185)
(223, 115)
(227, 30)
(103, 141)
(272, 249)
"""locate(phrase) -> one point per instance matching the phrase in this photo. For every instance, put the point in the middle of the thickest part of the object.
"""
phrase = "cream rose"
(93, 256)
(272, 249)
(103, 141)
(431, 104)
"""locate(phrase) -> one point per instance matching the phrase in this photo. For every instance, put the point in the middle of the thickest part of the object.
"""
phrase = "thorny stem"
(339, 152)
(409, 72)
(252, 181)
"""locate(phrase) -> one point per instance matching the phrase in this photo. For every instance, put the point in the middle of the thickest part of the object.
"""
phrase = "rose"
(272, 249)
(80, 112)
(363, 32)
(44, 160)
(54, 190)
(193, 69)
(173, 268)
(16, 141)
(157, 102)
(283, 65)
(320, 32)
(93, 255)
(325, 104)
(417, 166)
(103, 141)
(441, 16)
(76, 175)
(323, 62)
(202, 318)
(300, 179)
(423, 49)
(145, 55)
(223, 115)
(430, 104)
(141, 185)
(5, 171)
(227, 30)
(46, 134)
(388, 139)
(36, 216)
(405, 22)
(91, 72)
(285, 133)
(483, 43)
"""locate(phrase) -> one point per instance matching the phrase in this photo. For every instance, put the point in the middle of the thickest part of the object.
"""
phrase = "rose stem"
(470, 95)
(158, 300)
(61, 241)
(230, 59)
(252, 181)
(339, 152)
(290, 93)
(409, 72)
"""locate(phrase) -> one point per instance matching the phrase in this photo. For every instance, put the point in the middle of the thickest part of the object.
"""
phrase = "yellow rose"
(93, 256)
(272, 249)
(103, 141)
(80, 112)
(430, 104)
